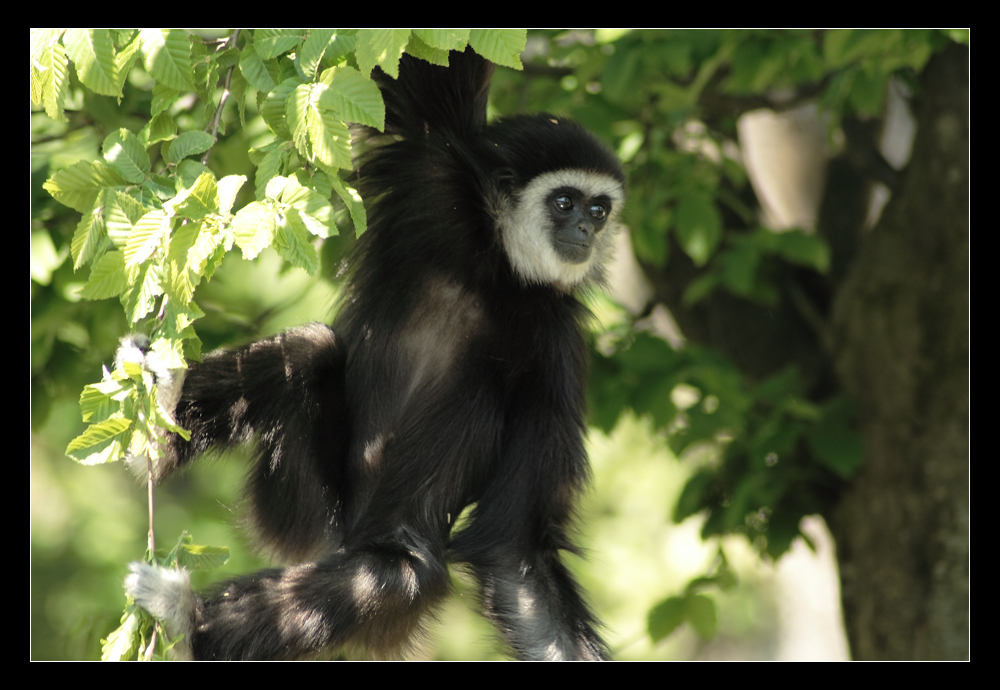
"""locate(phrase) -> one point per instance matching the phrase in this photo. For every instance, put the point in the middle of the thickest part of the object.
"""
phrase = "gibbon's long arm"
(283, 396)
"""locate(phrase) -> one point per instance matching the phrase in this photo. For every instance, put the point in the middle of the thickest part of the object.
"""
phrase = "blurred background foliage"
(724, 408)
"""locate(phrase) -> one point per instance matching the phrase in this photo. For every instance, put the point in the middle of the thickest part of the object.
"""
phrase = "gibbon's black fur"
(453, 376)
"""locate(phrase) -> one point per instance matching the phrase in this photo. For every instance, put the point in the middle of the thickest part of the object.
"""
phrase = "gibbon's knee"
(393, 593)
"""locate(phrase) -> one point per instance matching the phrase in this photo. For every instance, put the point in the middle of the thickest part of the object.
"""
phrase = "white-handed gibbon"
(453, 376)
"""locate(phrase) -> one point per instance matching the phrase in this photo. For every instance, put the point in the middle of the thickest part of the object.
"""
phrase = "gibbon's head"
(559, 218)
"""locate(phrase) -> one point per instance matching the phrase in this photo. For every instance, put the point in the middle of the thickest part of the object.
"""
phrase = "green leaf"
(500, 46)
(647, 355)
(312, 50)
(443, 39)
(50, 78)
(147, 237)
(353, 97)
(355, 205)
(320, 136)
(291, 241)
(198, 201)
(150, 287)
(96, 399)
(108, 277)
(189, 144)
(201, 557)
(166, 54)
(93, 55)
(78, 185)
(739, 268)
(121, 212)
(228, 188)
(204, 247)
(699, 227)
(692, 498)
(161, 128)
(126, 58)
(315, 211)
(255, 71)
(102, 432)
(799, 248)
(329, 140)
(665, 617)
(121, 644)
(298, 106)
(270, 43)
(834, 440)
(126, 154)
(269, 165)
(89, 235)
(382, 47)
(700, 612)
(276, 107)
(254, 228)
(419, 49)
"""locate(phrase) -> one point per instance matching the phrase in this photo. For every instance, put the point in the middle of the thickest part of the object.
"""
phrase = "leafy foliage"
(772, 442)
(759, 486)
(157, 219)
(692, 607)
(150, 235)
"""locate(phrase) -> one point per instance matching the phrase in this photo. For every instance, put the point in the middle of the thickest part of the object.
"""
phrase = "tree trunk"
(901, 327)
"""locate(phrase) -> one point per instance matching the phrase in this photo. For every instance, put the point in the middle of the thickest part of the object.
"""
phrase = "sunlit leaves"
(499, 45)
(270, 43)
(151, 232)
(93, 56)
(446, 39)
(146, 237)
(354, 97)
(189, 144)
(166, 54)
(382, 48)
(253, 229)
(79, 185)
(107, 432)
(49, 73)
(312, 51)
(255, 70)
(127, 156)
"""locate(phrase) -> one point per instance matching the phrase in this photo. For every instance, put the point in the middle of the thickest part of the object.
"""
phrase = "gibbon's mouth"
(573, 252)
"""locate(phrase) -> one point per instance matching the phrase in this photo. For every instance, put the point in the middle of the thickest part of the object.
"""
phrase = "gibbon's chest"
(438, 331)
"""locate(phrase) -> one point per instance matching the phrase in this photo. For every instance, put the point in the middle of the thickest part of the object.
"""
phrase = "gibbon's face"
(561, 228)
(577, 218)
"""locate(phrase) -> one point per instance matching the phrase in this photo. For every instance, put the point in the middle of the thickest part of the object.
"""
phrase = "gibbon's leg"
(284, 396)
(519, 528)
(534, 601)
(372, 599)
(514, 550)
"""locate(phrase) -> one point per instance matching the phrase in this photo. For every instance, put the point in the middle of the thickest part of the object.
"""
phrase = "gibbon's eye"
(563, 202)
(599, 211)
